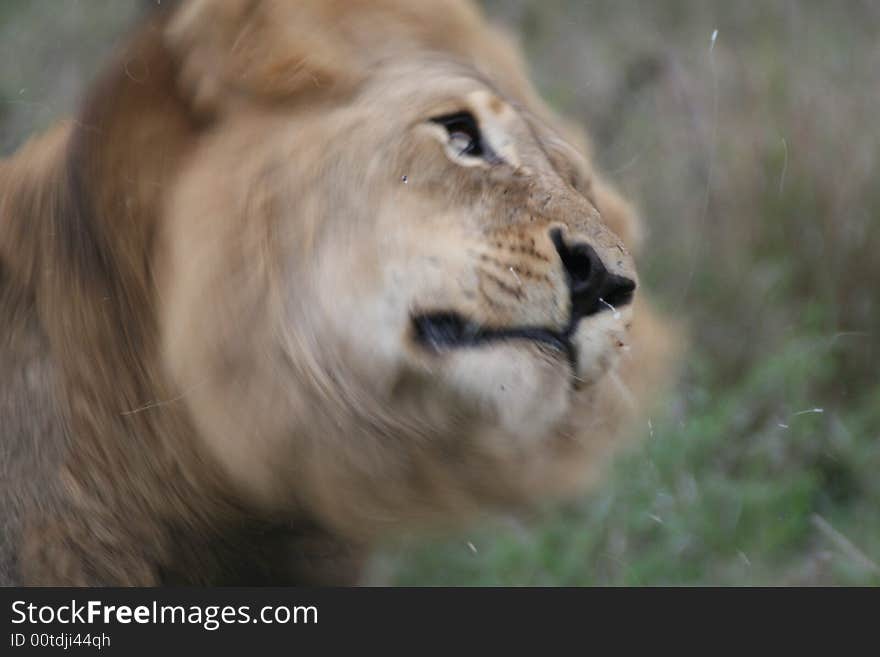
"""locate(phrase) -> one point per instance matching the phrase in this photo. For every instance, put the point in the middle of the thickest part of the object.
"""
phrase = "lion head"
(391, 289)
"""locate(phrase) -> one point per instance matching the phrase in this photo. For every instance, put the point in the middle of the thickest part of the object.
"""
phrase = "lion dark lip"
(592, 288)
(441, 331)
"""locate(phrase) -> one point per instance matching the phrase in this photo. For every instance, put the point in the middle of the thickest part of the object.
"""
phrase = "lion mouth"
(593, 290)
(442, 331)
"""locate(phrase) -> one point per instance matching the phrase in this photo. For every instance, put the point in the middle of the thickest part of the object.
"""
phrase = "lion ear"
(234, 50)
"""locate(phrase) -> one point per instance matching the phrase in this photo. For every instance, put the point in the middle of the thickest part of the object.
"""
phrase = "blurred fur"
(206, 281)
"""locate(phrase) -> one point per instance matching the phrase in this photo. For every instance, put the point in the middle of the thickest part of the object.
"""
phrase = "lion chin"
(326, 271)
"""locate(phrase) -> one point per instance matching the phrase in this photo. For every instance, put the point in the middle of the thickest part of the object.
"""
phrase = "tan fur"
(208, 282)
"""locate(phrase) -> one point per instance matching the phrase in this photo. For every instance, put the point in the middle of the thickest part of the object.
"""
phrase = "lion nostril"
(582, 266)
(592, 287)
(618, 290)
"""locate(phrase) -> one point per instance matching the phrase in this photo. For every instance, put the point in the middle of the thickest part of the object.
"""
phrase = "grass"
(755, 164)
(48, 50)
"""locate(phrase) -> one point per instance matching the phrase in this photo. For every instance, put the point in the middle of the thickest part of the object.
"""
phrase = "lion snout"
(592, 287)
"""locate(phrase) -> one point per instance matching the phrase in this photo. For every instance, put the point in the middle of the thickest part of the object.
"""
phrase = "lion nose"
(592, 287)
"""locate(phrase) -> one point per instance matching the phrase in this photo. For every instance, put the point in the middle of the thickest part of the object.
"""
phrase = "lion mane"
(272, 296)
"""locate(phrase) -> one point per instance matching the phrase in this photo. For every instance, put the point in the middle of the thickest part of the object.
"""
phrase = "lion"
(303, 274)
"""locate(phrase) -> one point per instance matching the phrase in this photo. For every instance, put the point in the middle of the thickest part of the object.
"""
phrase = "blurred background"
(747, 134)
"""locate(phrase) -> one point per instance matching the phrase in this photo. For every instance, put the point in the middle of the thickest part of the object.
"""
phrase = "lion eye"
(464, 133)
